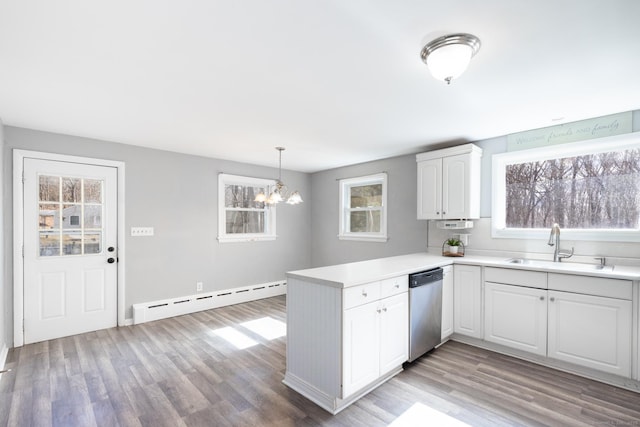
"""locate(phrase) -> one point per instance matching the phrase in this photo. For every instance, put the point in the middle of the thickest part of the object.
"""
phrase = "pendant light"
(279, 192)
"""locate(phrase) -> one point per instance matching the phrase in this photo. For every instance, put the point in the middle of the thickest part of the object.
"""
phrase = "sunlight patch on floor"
(235, 337)
(267, 327)
(422, 415)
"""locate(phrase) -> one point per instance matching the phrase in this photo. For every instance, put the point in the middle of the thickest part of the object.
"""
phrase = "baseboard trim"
(156, 310)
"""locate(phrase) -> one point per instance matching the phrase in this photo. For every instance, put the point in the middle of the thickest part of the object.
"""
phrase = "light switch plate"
(141, 231)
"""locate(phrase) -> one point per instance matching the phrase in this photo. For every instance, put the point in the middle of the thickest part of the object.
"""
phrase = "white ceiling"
(336, 82)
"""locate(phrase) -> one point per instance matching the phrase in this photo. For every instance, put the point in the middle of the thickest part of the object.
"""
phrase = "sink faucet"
(554, 240)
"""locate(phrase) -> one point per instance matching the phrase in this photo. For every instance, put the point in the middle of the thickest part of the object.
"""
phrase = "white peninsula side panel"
(314, 322)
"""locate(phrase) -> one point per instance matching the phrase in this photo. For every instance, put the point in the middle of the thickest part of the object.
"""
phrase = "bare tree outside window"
(366, 201)
(594, 191)
(243, 214)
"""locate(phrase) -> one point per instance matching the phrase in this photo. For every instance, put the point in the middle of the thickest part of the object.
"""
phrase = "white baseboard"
(155, 310)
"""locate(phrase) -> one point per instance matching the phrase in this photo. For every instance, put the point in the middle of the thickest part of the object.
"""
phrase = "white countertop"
(358, 273)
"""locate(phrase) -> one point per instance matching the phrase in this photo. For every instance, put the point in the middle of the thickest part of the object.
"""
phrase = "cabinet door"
(591, 331)
(516, 317)
(447, 302)
(430, 189)
(456, 186)
(394, 332)
(467, 300)
(361, 347)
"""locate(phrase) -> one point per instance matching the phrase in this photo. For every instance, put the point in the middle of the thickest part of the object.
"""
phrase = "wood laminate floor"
(182, 372)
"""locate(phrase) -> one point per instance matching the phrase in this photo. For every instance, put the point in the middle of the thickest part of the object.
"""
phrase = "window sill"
(227, 239)
(381, 239)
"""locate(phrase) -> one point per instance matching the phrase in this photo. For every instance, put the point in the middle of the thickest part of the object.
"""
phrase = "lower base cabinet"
(516, 317)
(467, 296)
(375, 341)
(591, 331)
(447, 302)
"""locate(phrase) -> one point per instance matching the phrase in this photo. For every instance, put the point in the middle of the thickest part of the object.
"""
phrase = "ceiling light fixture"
(448, 56)
(279, 191)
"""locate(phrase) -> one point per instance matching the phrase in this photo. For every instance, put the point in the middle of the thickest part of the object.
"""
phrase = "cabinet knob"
(444, 213)
(364, 294)
(437, 213)
(384, 309)
(378, 310)
(552, 299)
(397, 286)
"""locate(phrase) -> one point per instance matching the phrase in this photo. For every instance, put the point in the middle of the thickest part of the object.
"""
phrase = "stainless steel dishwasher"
(425, 312)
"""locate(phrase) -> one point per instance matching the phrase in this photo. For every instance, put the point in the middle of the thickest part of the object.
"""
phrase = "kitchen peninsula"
(347, 324)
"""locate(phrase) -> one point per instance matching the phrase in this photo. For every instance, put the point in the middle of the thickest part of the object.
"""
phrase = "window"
(66, 208)
(363, 208)
(240, 218)
(590, 188)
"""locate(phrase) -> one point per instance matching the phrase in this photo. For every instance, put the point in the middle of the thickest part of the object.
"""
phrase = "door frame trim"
(18, 232)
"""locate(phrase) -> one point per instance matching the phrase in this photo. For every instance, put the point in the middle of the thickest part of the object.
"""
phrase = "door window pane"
(92, 242)
(48, 217)
(49, 188)
(92, 216)
(92, 191)
(71, 190)
(72, 243)
(49, 243)
(70, 215)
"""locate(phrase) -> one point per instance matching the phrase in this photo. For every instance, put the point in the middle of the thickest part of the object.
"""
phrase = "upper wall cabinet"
(449, 183)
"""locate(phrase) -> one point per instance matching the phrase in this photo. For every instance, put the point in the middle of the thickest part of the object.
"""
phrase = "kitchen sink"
(569, 266)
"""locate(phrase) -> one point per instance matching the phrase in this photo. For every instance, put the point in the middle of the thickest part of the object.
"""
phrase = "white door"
(447, 302)
(455, 190)
(591, 331)
(394, 332)
(70, 248)
(430, 189)
(361, 347)
(467, 300)
(516, 316)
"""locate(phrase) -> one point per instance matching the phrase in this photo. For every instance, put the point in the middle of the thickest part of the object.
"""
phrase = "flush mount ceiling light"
(279, 191)
(447, 57)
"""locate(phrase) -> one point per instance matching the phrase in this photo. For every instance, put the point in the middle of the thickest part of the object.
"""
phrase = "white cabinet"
(447, 302)
(516, 317)
(375, 337)
(449, 183)
(591, 331)
(375, 341)
(344, 342)
(467, 299)
(583, 320)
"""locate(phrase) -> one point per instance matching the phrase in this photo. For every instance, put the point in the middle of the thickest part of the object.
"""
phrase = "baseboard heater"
(156, 310)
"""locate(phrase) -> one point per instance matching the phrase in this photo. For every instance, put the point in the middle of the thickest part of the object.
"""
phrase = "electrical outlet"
(198, 286)
(141, 231)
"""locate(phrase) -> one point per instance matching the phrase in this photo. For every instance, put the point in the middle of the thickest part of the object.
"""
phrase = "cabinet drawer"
(599, 286)
(394, 286)
(358, 295)
(511, 276)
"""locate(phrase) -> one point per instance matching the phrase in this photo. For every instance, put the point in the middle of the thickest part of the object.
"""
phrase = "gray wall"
(406, 233)
(177, 195)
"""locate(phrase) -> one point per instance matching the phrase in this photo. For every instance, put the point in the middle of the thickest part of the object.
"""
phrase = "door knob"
(111, 260)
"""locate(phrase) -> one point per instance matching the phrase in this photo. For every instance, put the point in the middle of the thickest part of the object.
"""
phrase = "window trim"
(345, 185)
(499, 162)
(270, 211)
